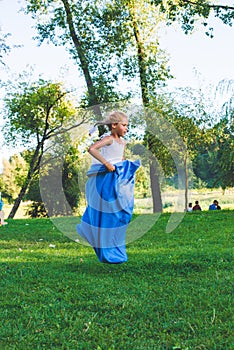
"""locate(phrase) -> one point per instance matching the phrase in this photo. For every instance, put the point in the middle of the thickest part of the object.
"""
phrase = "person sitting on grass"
(214, 205)
(190, 207)
(196, 206)
(217, 205)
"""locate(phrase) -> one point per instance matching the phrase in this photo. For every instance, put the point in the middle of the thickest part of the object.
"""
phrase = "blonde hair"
(112, 118)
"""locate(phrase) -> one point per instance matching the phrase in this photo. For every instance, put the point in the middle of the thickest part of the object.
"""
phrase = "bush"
(37, 210)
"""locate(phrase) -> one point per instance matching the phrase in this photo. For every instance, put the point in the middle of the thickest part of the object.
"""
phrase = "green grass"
(175, 292)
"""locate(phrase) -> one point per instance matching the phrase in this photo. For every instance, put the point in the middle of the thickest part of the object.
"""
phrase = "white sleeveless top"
(113, 153)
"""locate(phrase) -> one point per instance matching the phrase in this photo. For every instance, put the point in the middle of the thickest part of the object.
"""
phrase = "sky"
(212, 58)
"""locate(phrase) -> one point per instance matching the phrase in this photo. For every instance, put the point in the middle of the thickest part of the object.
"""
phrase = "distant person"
(215, 205)
(196, 206)
(2, 215)
(190, 207)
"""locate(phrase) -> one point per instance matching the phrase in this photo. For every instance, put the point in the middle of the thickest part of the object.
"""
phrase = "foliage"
(15, 171)
(188, 13)
(142, 185)
(117, 38)
(142, 58)
(59, 175)
(76, 27)
(111, 42)
(36, 113)
(37, 210)
(175, 292)
(215, 162)
(173, 127)
(225, 92)
(136, 150)
(13, 176)
(70, 176)
(4, 47)
(174, 132)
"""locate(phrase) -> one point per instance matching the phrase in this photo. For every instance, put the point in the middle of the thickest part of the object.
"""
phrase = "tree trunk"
(32, 168)
(154, 177)
(83, 60)
(155, 188)
(93, 98)
(18, 201)
(186, 181)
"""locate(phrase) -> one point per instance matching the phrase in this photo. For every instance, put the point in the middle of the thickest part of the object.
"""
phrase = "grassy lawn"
(175, 292)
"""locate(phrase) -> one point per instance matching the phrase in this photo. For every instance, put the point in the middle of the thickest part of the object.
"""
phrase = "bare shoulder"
(107, 140)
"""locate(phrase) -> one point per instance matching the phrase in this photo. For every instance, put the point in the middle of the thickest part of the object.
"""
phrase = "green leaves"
(36, 110)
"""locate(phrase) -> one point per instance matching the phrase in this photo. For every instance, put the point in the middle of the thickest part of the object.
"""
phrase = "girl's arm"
(94, 151)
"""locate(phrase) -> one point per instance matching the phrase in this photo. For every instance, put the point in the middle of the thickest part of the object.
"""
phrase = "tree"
(215, 162)
(143, 18)
(152, 71)
(36, 113)
(145, 63)
(73, 24)
(68, 176)
(180, 131)
(192, 136)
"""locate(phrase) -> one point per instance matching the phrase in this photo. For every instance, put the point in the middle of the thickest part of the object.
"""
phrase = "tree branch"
(212, 6)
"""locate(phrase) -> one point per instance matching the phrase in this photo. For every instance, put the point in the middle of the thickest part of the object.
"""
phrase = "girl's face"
(120, 128)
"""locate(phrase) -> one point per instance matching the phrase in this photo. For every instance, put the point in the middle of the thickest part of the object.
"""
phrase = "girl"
(109, 193)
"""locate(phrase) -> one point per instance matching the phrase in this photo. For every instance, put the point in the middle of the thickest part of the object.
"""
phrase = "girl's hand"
(110, 167)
